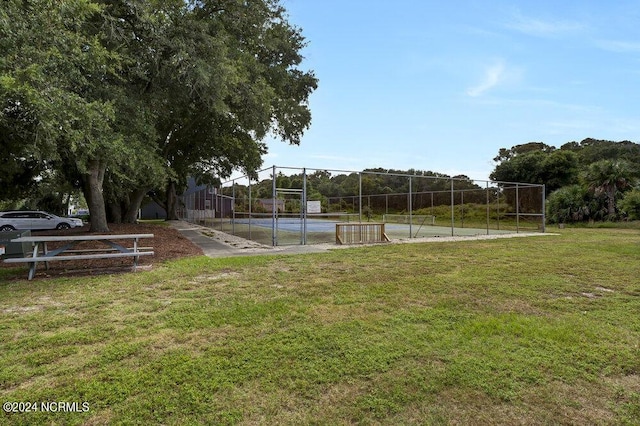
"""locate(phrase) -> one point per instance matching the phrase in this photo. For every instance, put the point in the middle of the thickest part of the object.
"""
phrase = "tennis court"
(304, 206)
(291, 230)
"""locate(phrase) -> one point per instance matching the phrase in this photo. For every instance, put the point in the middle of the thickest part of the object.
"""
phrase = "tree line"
(121, 99)
(385, 190)
(584, 181)
(590, 180)
(125, 99)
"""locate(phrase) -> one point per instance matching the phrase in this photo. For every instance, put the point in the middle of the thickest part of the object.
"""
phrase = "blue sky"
(443, 85)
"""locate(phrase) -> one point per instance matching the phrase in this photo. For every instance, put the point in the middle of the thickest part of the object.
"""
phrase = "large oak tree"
(119, 96)
(218, 76)
(51, 64)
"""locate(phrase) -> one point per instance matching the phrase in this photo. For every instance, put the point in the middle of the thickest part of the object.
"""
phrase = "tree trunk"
(92, 189)
(135, 199)
(114, 213)
(172, 201)
(611, 203)
(66, 203)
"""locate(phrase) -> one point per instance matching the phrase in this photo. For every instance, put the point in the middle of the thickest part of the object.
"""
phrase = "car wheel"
(7, 228)
(63, 225)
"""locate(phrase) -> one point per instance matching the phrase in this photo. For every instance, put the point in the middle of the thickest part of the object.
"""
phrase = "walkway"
(219, 244)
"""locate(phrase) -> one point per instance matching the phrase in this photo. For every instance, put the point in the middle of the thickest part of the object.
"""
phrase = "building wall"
(194, 198)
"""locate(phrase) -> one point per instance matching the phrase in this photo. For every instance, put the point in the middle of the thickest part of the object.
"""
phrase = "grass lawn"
(540, 330)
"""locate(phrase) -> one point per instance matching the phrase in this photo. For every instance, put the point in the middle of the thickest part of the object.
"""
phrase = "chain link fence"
(288, 205)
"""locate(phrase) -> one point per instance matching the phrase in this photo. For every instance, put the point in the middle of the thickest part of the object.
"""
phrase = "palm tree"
(608, 177)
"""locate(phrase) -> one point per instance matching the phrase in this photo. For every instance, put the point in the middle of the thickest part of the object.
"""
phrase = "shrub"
(629, 206)
(569, 204)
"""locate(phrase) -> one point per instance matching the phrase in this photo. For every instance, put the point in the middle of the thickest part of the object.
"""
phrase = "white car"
(35, 220)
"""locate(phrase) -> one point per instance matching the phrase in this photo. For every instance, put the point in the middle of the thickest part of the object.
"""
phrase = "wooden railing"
(360, 233)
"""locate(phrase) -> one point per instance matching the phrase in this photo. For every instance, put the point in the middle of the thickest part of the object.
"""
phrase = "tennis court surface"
(288, 230)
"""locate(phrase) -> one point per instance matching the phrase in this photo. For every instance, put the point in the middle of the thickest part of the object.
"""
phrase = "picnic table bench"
(41, 252)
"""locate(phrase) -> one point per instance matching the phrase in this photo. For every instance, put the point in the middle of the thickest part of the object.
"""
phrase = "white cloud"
(574, 126)
(626, 128)
(541, 28)
(493, 76)
(619, 46)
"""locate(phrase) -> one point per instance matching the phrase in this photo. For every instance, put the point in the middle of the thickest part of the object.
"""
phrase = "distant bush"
(472, 211)
(629, 206)
(569, 204)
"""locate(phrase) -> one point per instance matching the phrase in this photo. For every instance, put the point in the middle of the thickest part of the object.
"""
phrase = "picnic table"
(41, 252)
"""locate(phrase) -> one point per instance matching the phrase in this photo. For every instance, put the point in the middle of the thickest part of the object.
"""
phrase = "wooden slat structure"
(360, 233)
(41, 253)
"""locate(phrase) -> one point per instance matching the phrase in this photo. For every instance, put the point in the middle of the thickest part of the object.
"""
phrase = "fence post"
(517, 209)
(488, 208)
(219, 197)
(359, 196)
(303, 207)
(544, 209)
(274, 231)
(453, 213)
(410, 205)
(233, 208)
(462, 208)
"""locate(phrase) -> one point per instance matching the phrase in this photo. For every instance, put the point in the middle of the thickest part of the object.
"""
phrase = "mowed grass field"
(536, 330)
